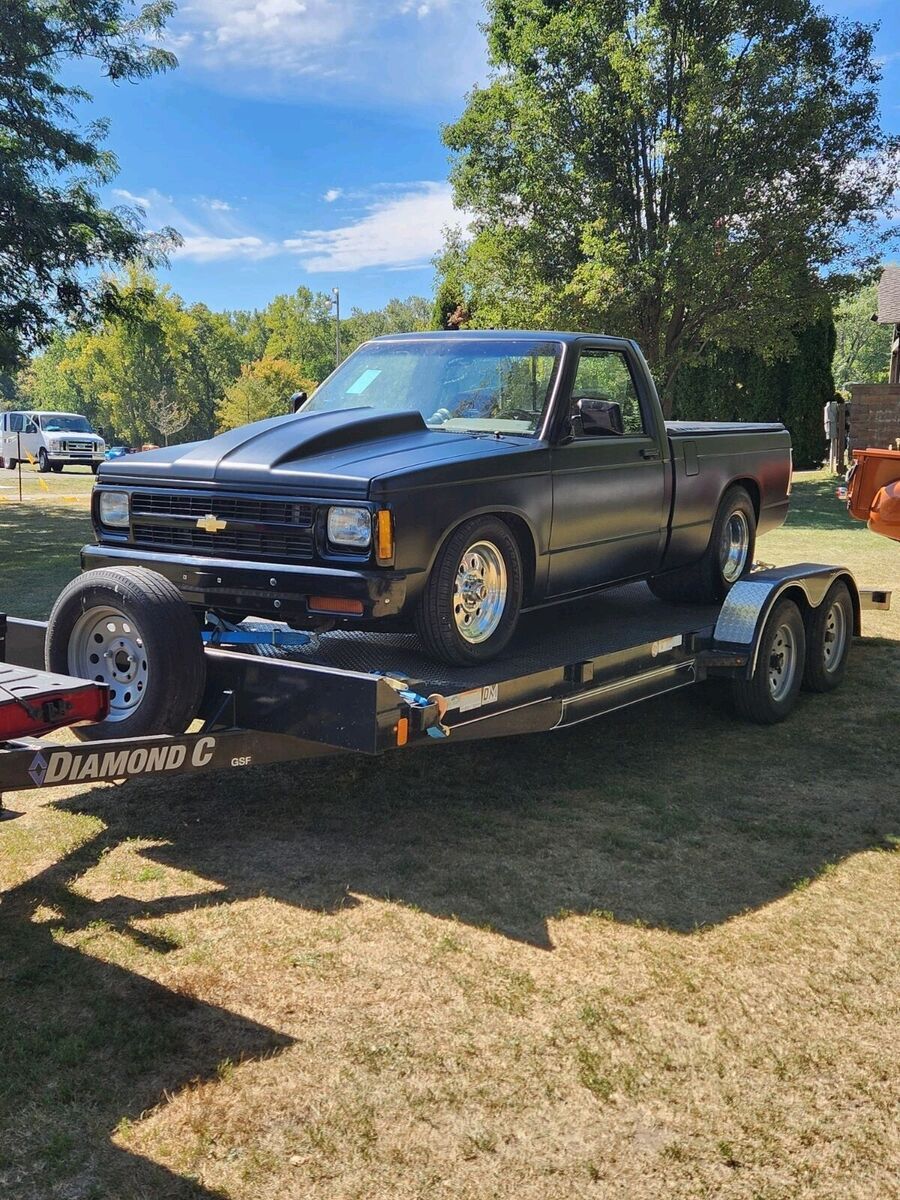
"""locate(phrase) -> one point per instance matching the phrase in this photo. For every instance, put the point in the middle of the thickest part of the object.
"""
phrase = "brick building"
(875, 411)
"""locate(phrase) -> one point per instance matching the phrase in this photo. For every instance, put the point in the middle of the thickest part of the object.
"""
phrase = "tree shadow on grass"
(672, 814)
(85, 1043)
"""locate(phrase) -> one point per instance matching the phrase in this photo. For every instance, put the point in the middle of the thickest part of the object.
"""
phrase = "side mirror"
(600, 418)
(297, 401)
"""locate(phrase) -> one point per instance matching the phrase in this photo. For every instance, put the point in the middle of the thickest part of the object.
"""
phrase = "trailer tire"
(829, 635)
(477, 627)
(10, 464)
(129, 628)
(771, 692)
(728, 556)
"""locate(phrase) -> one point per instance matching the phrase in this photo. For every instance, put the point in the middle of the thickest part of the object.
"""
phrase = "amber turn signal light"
(335, 604)
(384, 536)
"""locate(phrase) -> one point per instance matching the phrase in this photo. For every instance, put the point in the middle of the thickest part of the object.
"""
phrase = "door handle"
(649, 452)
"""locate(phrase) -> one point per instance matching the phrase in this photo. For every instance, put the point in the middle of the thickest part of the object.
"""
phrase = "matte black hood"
(320, 453)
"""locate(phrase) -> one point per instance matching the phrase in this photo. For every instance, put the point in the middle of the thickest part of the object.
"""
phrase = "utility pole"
(335, 303)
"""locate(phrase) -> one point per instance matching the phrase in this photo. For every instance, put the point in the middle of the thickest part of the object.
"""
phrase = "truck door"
(609, 478)
(31, 438)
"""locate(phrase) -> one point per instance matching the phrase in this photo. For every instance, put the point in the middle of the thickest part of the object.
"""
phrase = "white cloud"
(399, 228)
(206, 248)
(402, 231)
(333, 194)
(397, 51)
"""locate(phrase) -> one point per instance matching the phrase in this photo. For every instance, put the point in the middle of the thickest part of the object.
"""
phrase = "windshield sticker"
(367, 377)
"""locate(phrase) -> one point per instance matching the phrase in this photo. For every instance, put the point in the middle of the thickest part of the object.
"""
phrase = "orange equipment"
(874, 490)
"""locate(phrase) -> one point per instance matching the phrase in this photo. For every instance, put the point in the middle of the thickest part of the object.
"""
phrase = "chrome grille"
(71, 446)
(268, 530)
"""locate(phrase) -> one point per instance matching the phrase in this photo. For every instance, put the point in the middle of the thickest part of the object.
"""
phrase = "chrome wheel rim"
(735, 546)
(835, 638)
(782, 662)
(107, 646)
(479, 594)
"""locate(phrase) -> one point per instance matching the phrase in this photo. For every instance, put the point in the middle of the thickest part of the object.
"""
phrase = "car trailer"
(779, 629)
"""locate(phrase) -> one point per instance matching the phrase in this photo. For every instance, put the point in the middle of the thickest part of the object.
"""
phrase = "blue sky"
(299, 141)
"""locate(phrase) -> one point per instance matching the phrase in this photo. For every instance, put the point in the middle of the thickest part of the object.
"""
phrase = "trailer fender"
(743, 615)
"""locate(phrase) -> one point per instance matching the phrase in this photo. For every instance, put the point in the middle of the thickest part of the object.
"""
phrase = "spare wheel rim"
(107, 646)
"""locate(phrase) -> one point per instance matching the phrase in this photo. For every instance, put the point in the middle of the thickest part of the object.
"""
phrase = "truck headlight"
(113, 508)
(54, 446)
(350, 527)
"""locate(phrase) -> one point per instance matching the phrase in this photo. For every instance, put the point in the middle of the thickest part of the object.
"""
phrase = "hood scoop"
(319, 433)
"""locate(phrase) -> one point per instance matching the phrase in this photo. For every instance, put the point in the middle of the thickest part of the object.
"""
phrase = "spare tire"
(129, 628)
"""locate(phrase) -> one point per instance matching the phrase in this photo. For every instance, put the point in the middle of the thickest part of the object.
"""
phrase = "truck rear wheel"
(130, 629)
(829, 634)
(771, 692)
(471, 603)
(728, 556)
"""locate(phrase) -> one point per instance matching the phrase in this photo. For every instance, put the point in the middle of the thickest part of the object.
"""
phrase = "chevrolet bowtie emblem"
(210, 523)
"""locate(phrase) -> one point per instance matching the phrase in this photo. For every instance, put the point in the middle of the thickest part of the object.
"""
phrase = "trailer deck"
(370, 693)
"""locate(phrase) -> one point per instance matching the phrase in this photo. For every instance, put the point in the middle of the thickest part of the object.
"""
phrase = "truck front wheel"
(130, 629)
(471, 603)
(728, 556)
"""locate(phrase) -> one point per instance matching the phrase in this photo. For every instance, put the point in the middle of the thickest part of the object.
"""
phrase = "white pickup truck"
(53, 440)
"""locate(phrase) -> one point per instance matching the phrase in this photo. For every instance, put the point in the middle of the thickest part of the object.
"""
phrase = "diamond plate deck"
(614, 620)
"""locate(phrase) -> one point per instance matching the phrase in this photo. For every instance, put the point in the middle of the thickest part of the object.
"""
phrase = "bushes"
(738, 385)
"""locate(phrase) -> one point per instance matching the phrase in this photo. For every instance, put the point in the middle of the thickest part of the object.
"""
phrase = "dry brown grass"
(653, 956)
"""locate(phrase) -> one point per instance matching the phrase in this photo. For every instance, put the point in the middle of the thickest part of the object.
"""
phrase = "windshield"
(60, 423)
(459, 385)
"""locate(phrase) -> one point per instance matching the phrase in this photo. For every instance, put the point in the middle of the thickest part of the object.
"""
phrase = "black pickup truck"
(450, 481)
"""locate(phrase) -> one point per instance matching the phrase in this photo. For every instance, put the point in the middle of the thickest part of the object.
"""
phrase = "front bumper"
(262, 589)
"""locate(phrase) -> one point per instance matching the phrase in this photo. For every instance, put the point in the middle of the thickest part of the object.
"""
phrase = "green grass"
(653, 955)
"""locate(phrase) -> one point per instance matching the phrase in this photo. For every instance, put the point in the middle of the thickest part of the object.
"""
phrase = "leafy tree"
(151, 347)
(740, 385)
(863, 347)
(301, 331)
(682, 171)
(53, 228)
(263, 390)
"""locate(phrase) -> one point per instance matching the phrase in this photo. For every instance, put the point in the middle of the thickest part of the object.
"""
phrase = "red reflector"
(40, 712)
(335, 604)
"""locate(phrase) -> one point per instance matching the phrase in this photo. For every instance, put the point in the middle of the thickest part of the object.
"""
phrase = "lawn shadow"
(672, 814)
(85, 1043)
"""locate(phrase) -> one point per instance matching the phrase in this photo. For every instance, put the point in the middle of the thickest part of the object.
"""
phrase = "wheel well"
(752, 488)
(520, 530)
(522, 533)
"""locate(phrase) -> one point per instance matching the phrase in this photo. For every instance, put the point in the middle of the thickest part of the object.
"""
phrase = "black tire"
(10, 464)
(43, 461)
(436, 620)
(758, 698)
(57, 468)
(831, 622)
(705, 581)
(95, 467)
(163, 633)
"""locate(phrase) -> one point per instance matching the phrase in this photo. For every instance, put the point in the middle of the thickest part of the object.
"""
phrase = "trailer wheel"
(470, 606)
(10, 464)
(829, 635)
(770, 693)
(728, 556)
(129, 628)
